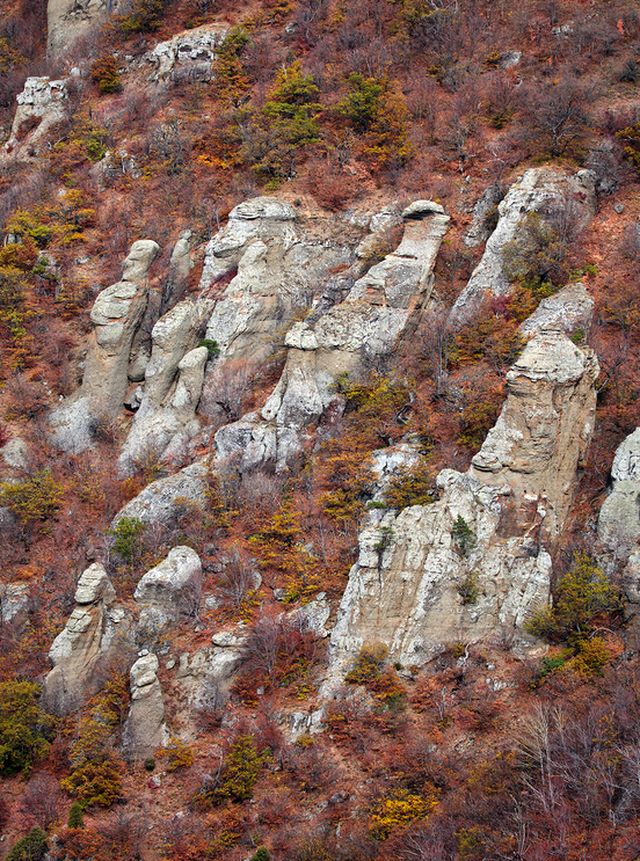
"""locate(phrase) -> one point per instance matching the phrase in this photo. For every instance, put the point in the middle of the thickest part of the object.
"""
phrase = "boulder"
(95, 638)
(14, 604)
(169, 591)
(15, 454)
(543, 190)
(174, 378)
(474, 564)
(145, 730)
(484, 213)
(161, 500)
(116, 315)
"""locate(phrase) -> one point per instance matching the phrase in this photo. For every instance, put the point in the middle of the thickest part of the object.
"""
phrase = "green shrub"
(582, 594)
(287, 122)
(127, 534)
(212, 347)
(144, 17)
(31, 847)
(25, 729)
(261, 854)
(376, 109)
(76, 818)
(630, 73)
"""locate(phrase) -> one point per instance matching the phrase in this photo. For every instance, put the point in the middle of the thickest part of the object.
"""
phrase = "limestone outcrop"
(174, 378)
(169, 591)
(145, 730)
(280, 262)
(187, 56)
(41, 104)
(475, 563)
(542, 190)
(570, 310)
(160, 501)
(116, 315)
(14, 604)
(619, 520)
(366, 326)
(94, 639)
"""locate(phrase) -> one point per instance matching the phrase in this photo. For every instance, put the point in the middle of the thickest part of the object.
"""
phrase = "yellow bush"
(399, 810)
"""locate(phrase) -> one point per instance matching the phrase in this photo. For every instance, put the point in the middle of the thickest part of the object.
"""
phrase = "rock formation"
(619, 520)
(474, 564)
(67, 20)
(187, 56)
(95, 638)
(144, 730)
(543, 190)
(159, 501)
(570, 310)
(14, 604)
(41, 104)
(116, 315)
(346, 339)
(169, 591)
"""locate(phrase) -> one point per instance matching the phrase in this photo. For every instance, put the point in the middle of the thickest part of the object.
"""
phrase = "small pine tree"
(463, 535)
(31, 847)
(76, 818)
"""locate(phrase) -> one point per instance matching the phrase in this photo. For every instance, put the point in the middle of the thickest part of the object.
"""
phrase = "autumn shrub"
(412, 486)
(105, 73)
(230, 81)
(368, 665)
(492, 336)
(469, 588)
(399, 810)
(240, 771)
(629, 137)
(176, 755)
(281, 552)
(582, 595)
(26, 730)
(534, 257)
(95, 778)
(36, 498)
(31, 847)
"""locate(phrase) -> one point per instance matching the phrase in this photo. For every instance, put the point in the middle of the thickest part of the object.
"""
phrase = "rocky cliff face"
(569, 200)
(116, 316)
(68, 20)
(41, 104)
(475, 564)
(352, 335)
